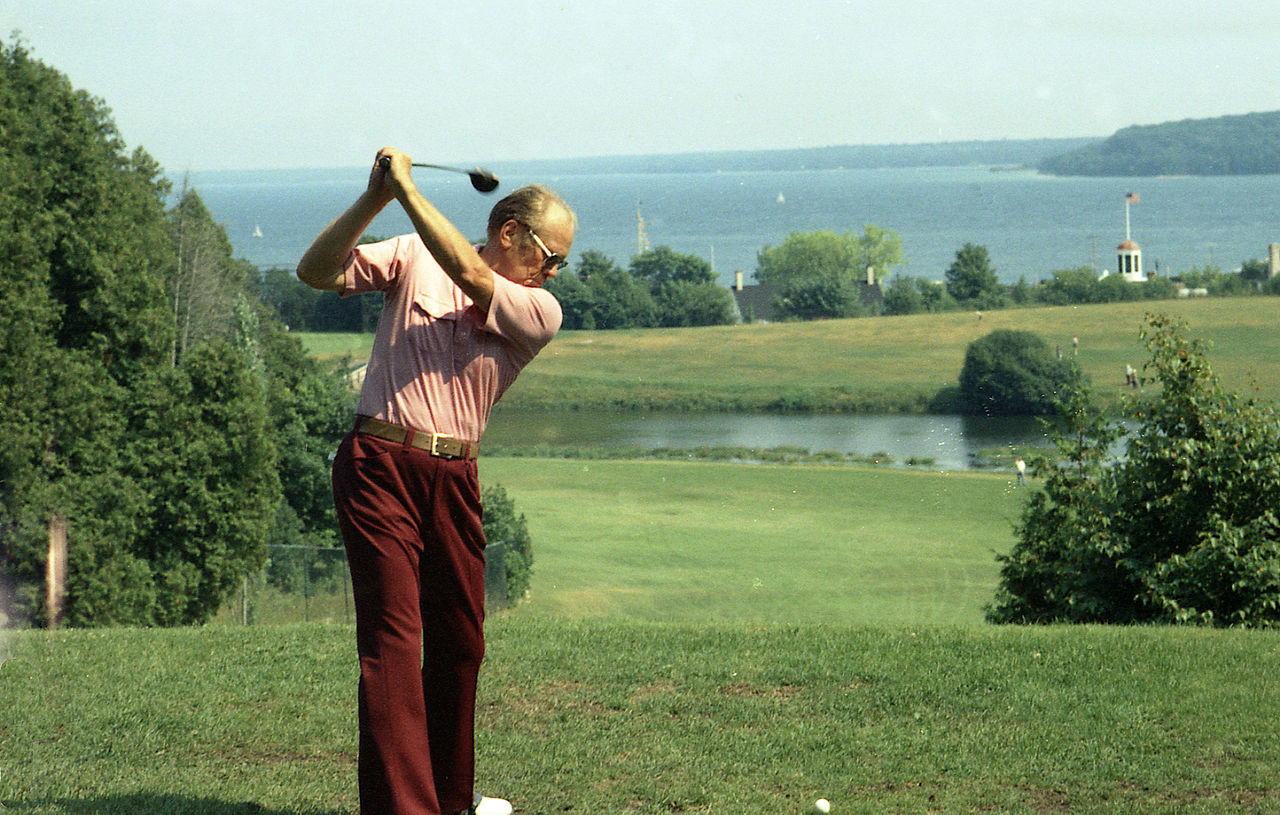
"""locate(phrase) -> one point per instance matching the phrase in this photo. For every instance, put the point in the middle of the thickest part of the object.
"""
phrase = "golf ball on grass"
(822, 806)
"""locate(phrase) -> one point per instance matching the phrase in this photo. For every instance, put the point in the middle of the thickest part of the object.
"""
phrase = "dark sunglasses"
(551, 260)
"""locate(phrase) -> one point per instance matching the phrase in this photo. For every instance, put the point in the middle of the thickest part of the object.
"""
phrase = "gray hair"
(528, 206)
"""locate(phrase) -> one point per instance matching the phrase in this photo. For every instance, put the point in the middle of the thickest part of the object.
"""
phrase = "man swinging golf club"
(458, 324)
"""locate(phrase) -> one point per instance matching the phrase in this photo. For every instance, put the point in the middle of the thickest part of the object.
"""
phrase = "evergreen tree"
(205, 281)
(163, 474)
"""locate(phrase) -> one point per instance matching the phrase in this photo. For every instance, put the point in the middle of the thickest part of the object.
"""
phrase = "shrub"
(1012, 373)
(1183, 529)
(503, 526)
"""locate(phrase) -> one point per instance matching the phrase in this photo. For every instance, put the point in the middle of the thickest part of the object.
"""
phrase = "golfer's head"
(535, 229)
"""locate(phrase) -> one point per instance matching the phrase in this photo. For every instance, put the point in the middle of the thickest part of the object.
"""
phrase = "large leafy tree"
(609, 296)
(902, 296)
(821, 274)
(971, 280)
(1182, 529)
(683, 288)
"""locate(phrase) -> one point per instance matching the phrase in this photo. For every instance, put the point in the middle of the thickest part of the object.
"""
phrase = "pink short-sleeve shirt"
(438, 363)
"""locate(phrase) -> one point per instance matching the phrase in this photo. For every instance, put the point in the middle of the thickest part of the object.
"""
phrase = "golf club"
(482, 180)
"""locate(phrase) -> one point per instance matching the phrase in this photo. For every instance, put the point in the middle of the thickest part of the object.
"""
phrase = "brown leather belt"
(436, 444)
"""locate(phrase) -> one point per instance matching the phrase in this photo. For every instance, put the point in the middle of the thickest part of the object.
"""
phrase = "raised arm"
(447, 245)
(321, 266)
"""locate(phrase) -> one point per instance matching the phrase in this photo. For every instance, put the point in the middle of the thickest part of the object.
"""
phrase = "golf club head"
(483, 180)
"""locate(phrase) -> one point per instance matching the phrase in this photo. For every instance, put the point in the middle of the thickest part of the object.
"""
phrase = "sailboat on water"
(257, 231)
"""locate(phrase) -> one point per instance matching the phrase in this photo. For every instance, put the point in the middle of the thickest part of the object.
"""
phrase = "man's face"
(536, 254)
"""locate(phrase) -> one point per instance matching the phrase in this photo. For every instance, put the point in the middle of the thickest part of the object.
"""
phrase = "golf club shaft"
(385, 163)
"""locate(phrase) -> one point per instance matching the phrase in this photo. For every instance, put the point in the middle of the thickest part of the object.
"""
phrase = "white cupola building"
(1129, 253)
(1129, 262)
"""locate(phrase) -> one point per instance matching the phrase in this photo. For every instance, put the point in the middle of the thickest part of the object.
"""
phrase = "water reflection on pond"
(944, 442)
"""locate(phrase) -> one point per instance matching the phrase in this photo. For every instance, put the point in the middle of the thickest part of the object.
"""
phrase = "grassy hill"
(873, 365)
(710, 638)
(675, 541)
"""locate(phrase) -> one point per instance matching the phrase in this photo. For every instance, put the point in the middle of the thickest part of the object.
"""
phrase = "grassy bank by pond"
(868, 365)
(766, 543)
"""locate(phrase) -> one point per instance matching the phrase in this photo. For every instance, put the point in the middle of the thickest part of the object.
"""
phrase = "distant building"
(755, 303)
(1129, 253)
(1129, 262)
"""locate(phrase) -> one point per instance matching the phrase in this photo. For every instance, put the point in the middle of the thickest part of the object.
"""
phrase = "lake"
(950, 442)
(1031, 224)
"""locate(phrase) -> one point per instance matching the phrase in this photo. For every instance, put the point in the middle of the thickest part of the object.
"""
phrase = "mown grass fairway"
(633, 717)
(762, 543)
(878, 364)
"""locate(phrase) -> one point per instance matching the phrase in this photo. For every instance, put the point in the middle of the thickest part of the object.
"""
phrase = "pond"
(941, 442)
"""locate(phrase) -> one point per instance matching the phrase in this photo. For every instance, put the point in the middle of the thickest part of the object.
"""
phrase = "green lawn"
(872, 364)
(636, 717)
(761, 543)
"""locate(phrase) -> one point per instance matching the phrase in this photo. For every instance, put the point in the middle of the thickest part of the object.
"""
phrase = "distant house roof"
(756, 302)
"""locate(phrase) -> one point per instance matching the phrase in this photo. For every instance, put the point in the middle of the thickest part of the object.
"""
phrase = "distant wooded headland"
(1228, 145)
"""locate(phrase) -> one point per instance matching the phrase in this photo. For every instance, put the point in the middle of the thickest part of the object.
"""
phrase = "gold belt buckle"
(440, 448)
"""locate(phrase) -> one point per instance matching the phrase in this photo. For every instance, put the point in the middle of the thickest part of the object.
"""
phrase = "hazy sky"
(230, 84)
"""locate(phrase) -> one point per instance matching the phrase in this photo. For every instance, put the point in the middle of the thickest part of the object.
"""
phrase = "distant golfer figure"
(458, 324)
(1021, 467)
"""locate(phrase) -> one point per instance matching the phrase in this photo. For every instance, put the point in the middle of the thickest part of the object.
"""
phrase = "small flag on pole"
(1131, 198)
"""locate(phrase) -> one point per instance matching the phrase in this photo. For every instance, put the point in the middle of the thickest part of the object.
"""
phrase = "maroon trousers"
(410, 522)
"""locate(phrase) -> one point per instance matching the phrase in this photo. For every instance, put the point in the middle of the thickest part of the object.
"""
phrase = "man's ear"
(509, 234)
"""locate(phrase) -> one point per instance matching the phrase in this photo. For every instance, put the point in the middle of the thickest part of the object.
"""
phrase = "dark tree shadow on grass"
(145, 803)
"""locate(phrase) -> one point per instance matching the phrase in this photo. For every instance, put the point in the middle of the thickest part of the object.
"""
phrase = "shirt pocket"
(441, 327)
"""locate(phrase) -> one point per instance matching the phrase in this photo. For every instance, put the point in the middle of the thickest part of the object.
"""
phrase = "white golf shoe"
(490, 806)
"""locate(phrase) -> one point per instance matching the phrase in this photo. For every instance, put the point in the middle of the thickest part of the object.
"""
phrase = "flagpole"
(1129, 198)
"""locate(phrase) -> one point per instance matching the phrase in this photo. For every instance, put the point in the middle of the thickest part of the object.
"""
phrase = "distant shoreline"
(1012, 153)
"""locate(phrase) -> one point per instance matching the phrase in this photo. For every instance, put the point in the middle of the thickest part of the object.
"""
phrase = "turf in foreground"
(634, 717)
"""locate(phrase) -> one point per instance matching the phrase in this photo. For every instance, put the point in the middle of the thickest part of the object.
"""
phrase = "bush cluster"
(1182, 528)
(507, 536)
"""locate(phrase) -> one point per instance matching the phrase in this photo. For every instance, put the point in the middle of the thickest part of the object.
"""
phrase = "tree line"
(660, 288)
(810, 275)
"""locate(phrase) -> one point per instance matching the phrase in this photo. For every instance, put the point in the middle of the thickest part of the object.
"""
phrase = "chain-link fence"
(312, 584)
